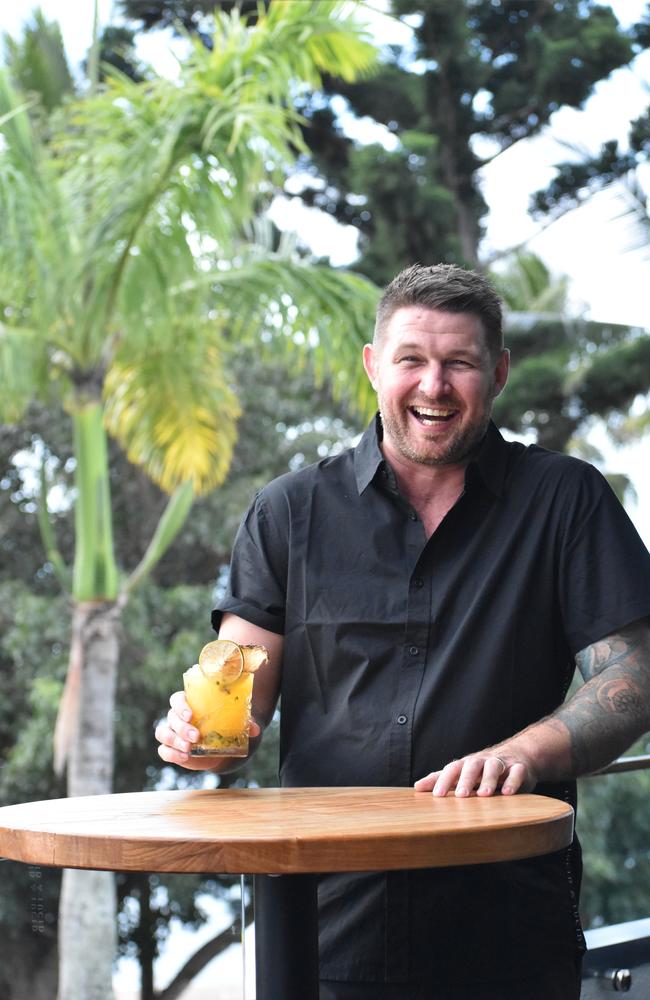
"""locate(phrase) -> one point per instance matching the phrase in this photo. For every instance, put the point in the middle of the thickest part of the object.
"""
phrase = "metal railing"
(618, 956)
(640, 763)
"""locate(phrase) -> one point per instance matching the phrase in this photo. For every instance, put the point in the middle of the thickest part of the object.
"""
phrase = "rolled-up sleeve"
(256, 589)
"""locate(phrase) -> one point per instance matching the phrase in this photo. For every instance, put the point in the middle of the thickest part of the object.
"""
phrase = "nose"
(433, 380)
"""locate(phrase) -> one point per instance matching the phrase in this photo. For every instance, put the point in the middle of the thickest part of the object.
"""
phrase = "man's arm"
(175, 732)
(607, 714)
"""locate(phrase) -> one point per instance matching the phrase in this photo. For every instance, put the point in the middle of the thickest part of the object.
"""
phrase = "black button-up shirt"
(402, 653)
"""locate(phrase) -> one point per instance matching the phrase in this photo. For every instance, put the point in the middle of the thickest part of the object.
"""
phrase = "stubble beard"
(458, 450)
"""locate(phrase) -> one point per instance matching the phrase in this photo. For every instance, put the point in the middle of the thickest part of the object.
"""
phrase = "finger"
(427, 783)
(470, 776)
(494, 770)
(518, 780)
(186, 732)
(179, 705)
(171, 756)
(448, 778)
(170, 737)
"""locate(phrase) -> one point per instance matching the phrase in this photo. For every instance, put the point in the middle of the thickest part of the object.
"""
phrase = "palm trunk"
(85, 729)
(87, 912)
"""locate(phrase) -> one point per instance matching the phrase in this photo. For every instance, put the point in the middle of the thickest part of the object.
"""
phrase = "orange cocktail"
(219, 691)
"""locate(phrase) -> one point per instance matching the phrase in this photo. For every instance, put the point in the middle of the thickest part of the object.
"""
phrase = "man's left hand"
(487, 773)
(600, 721)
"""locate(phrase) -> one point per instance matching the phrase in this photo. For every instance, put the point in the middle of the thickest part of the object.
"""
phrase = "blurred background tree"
(566, 370)
(478, 76)
(132, 265)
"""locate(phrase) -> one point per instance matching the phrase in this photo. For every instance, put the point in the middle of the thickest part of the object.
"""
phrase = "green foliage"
(401, 218)
(117, 49)
(33, 655)
(527, 285)
(123, 228)
(576, 180)
(536, 384)
(614, 378)
(121, 288)
(21, 554)
(473, 70)
(564, 370)
(37, 63)
(286, 422)
(496, 71)
(612, 825)
(177, 13)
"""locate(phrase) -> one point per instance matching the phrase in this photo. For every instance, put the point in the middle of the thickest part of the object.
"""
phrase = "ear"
(501, 372)
(369, 363)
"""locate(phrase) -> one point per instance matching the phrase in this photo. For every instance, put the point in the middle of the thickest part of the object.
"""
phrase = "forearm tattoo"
(612, 709)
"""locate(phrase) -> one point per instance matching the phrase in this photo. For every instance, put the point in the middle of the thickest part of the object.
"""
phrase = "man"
(425, 598)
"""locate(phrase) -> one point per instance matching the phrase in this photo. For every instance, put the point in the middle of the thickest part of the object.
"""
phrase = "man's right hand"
(176, 735)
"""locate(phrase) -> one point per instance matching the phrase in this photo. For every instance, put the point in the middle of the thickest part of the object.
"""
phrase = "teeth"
(426, 411)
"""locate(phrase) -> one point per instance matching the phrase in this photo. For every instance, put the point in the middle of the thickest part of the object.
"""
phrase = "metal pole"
(286, 937)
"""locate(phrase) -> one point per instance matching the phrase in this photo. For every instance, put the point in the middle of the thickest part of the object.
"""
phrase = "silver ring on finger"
(502, 762)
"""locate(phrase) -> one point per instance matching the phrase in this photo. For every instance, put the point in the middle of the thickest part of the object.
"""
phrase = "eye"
(460, 363)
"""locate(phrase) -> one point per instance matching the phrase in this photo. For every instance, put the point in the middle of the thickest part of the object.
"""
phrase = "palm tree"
(126, 276)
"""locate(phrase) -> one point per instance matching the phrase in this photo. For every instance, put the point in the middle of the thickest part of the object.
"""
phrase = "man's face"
(435, 382)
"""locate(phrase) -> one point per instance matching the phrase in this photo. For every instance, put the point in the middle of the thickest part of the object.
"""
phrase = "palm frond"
(635, 213)
(37, 257)
(218, 132)
(121, 240)
(310, 312)
(15, 127)
(173, 411)
(23, 370)
(527, 285)
(323, 33)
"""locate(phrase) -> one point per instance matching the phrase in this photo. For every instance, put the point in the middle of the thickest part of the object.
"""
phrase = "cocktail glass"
(219, 691)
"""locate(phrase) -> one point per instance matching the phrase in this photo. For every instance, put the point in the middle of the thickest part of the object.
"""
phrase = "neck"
(430, 489)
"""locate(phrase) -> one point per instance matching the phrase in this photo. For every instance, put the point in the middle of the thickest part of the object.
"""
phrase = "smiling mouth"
(430, 415)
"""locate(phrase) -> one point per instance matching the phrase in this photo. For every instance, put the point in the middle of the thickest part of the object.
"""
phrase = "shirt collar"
(489, 465)
(490, 462)
(367, 455)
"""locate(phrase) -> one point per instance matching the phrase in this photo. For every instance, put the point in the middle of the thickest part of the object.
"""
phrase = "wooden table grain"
(281, 830)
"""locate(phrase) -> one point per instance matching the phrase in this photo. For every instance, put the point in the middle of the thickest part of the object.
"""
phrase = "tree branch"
(200, 959)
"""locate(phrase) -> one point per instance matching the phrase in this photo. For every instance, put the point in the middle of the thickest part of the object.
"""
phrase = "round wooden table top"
(281, 830)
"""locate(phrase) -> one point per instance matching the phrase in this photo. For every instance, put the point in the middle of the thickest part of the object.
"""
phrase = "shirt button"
(418, 582)
(413, 516)
(413, 650)
(402, 719)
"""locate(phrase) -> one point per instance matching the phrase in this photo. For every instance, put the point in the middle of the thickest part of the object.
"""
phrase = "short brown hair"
(446, 287)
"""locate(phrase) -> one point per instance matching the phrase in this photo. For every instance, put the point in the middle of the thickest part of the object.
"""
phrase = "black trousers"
(562, 982)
